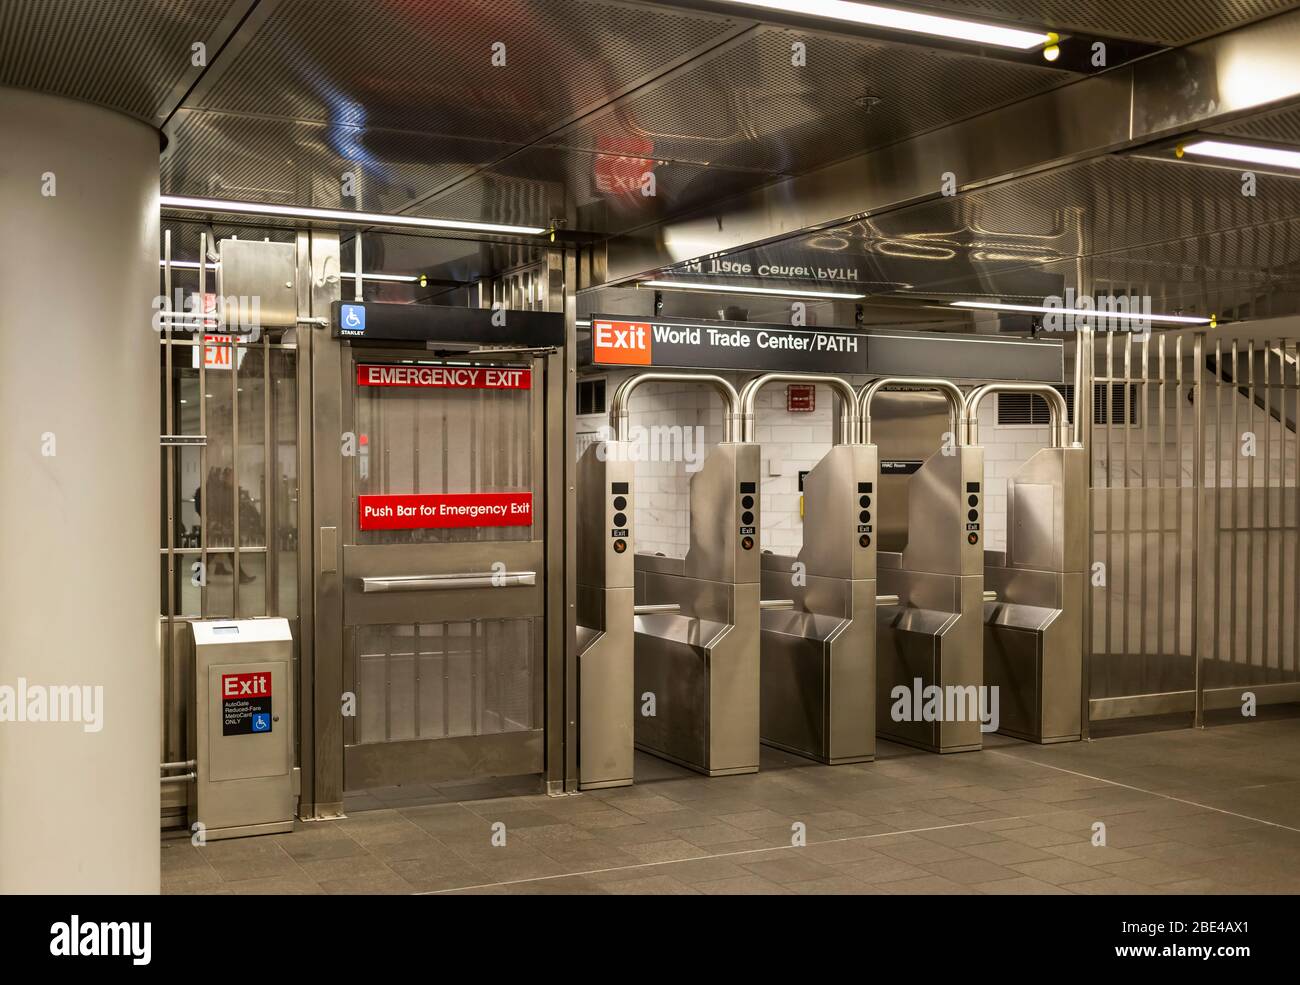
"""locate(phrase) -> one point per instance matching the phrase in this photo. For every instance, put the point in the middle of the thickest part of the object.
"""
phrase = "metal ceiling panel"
(1164, 22)
(428, 65)
(129, 55)
(301, 162)
(1182, 234)
(745, 106)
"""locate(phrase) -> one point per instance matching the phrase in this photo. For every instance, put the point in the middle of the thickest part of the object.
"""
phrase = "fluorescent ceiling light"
(1246, 153)
(683, 285)
(190, 204)
(396, 278)
(911, 21)
(1088, 312)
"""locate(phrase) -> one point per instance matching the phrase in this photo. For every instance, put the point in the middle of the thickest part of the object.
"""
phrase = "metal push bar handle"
(435, 583)
(849, 427)
(1060, 413)
(949, 389)
(776, 604)
(618, 414)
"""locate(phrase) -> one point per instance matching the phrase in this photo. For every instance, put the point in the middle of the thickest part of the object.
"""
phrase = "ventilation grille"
(1031, 410)
(591, 396)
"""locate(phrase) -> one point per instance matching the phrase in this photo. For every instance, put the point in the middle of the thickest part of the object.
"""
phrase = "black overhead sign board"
(381, 322)
(622, 340)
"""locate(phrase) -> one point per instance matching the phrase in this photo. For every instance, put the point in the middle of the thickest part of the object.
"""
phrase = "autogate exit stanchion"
(241, 728)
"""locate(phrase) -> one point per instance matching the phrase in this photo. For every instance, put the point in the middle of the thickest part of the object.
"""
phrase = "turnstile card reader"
(929, 646)
(1033, 634)
(696, 696)
(819, 658)
(241, 728)
(605, 616)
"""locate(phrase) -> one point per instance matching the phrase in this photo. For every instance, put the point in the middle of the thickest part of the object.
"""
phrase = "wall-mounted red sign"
(621, 343)
(411, 512)
(800, 398)
(446, 377)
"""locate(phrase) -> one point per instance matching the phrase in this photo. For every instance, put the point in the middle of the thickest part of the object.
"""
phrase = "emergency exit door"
(443, 568)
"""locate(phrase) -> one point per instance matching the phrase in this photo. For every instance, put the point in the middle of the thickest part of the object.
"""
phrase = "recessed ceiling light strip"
(188, 203)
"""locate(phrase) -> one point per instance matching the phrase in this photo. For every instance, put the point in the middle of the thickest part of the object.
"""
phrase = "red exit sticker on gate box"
(411, 512)
(246, 703)
(446, 377)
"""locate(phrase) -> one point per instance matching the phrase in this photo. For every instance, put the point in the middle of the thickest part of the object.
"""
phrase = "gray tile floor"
(1211, 811)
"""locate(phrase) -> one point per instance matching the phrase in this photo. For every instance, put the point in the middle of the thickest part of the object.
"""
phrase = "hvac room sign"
(725, 345)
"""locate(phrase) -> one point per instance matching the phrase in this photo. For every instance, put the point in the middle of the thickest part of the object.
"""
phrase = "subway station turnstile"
(1033, 632)
(929, 643)
(605, 616)
(818, 620)
(695, 694)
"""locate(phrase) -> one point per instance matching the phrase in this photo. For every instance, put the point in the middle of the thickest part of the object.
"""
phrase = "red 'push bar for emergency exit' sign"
(446, 377)
(410, 512)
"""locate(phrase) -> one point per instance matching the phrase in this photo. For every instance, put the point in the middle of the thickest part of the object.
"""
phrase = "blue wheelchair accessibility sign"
(262, 722)
(352, 319)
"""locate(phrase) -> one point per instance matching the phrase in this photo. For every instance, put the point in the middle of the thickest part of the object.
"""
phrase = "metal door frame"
(321, 520)
(503, 751)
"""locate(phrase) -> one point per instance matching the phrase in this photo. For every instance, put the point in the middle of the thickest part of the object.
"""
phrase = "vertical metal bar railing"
(1266, 546)
(1161, 489)
(1198, 489)
(236, 485)
(1126, 396)
(1250, 508)
(205, 500)
(169, 510)
(1234, 438)
(1295, 509)
(1143, 527)
(270, 565)
(1108, 405)
(1179, 512)
(1218, 495)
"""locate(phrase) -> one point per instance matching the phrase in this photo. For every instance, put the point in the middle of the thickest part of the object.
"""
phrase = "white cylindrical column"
(79, 501)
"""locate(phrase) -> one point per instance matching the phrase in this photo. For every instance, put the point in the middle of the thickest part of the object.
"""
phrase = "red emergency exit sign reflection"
(446, 377)
(413, 512)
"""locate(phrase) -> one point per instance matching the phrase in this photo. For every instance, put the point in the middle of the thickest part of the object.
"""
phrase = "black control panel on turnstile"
(748, 531)
(619, 492)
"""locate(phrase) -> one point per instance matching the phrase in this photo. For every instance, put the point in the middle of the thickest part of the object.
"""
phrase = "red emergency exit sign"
(446, 377)
(411, 512)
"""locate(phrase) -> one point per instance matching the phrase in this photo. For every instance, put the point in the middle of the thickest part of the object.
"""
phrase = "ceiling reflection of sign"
(622, 164)
(800, 398)
(436, 510)
(446, 377)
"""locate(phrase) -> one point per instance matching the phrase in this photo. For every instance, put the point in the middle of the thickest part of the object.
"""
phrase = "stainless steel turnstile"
(818, 679)
(696, 656)
(930, 643)
(1033, 634)
(605, 616)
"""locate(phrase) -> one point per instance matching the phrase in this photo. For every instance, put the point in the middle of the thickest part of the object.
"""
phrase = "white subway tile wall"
(792, 442)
